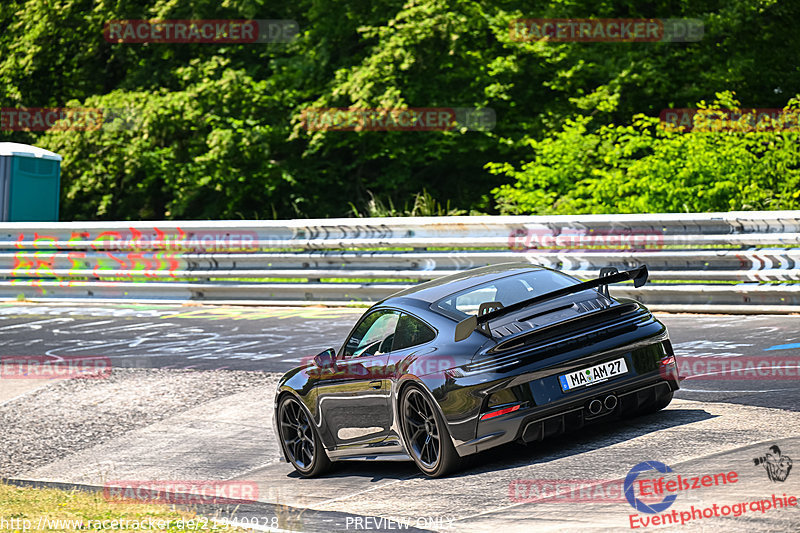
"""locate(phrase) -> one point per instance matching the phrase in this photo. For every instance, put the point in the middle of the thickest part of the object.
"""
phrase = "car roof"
(437, 289)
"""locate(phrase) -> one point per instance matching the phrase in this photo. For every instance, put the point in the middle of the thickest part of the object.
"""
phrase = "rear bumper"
(537, 423)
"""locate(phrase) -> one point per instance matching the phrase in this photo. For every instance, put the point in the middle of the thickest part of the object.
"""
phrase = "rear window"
(503, 291)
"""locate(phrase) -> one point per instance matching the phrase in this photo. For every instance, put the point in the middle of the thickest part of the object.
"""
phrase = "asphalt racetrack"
(190, 398)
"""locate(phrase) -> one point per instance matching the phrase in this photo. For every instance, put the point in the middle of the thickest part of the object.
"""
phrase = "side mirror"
(326, 359)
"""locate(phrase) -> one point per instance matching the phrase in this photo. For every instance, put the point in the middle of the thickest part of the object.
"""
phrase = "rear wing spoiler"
(607, 276)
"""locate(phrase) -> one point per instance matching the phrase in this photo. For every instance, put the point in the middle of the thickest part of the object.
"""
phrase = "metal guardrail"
(738, 261)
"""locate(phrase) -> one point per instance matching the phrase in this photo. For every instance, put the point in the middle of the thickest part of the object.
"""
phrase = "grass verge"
(26, 509)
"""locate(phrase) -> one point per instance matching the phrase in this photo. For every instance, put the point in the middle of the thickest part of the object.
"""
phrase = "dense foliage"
(215, 131)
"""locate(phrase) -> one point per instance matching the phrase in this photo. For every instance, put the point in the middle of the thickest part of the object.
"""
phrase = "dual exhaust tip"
(596, 406)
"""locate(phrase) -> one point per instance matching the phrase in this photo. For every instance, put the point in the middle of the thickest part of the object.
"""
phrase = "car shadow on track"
(515, 455)
(589, 438)
(369, 471)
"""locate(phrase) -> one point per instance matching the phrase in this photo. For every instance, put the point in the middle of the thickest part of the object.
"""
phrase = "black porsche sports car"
(448, 368)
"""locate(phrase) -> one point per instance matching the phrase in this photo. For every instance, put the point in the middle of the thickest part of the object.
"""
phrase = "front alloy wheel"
(301, 443)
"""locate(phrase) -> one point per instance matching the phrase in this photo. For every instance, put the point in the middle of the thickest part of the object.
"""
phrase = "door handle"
(376, 384)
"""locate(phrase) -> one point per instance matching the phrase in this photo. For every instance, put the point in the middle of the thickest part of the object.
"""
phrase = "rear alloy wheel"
(300, 440)
(426, 436)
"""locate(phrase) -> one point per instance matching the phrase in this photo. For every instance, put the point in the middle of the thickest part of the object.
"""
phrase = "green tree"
(217, 128)
(646, 167)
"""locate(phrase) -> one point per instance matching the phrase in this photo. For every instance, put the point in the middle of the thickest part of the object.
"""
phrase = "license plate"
(593, 375)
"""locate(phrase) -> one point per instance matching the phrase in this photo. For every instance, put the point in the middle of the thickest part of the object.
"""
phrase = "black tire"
(659, 404)
(425, 434)
(300, 440)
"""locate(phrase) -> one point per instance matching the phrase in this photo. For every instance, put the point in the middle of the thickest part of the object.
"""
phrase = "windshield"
(502, 292)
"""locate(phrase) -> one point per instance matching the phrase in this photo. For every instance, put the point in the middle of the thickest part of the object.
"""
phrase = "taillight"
(503, 411)
(668, 368)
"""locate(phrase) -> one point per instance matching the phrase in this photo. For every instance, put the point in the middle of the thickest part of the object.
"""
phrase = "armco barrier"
(730, 262)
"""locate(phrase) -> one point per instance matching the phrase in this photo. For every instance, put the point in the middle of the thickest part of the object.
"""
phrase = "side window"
(373, 336)
(411, 332)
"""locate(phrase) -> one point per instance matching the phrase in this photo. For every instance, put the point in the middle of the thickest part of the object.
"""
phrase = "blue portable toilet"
(30, 182)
